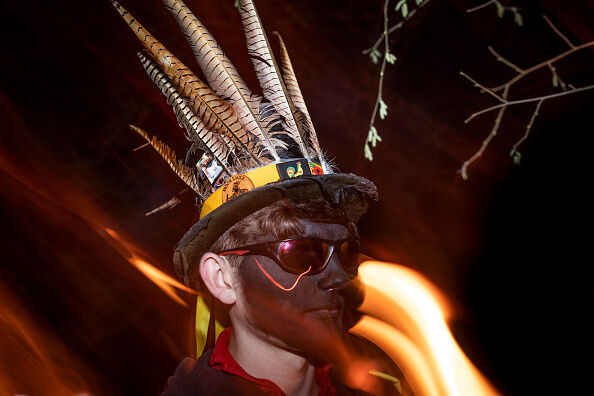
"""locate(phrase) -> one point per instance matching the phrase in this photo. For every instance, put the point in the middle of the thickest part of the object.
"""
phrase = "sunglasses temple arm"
(278, 284)
(233, 253)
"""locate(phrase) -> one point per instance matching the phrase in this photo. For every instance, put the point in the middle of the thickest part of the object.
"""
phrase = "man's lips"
(332, 309)
(324, 313)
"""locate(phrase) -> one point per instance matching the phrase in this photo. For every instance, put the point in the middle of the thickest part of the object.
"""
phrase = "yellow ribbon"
(203, 314)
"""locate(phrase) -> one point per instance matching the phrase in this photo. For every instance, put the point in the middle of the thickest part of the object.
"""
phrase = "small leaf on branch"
(237, 4)
(375, 56)
(368, 154)
(373, 137)
(500, 9)
(555, 81)
(518, 18)
(404, 10)
(399, 5)
(516, 156)
(390, 58)
(383, 110)
(419, 2)
(563, 86)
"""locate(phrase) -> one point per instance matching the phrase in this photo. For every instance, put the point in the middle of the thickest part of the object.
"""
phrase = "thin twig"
(504, 61)
(383, 68)
(563, 37)
(372, 135)
(393, 28)
(483, 88)
(556, 79)
(381, 80)
(528, 127)
(535, 99)
(390, 31)
(464, 168)
(543, 64)
(481, 6)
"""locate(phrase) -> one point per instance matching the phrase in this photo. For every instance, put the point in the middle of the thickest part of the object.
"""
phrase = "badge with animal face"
(315, 169)
(293, 169)
(235, 186)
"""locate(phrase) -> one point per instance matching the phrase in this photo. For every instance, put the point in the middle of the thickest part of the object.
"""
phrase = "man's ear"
(216, 275)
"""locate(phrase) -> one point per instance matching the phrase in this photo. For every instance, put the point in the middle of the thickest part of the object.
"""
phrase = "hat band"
(242, 183)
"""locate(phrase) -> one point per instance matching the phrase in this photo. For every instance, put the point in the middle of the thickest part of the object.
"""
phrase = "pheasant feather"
(220, 73)
(185, 173)
(267, 71)
(216, 114)
(297, 98)
(217, 145)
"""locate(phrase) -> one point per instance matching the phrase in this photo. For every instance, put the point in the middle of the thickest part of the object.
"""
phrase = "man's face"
(306, 318)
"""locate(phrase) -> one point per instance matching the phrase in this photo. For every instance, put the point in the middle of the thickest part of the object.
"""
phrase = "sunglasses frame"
(272, 251)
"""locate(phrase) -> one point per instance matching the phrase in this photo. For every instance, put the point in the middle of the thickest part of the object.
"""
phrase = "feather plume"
(267, 71)
(220, 73)
(218, 146)
(216, 114)
(187, 174)
(297, 98)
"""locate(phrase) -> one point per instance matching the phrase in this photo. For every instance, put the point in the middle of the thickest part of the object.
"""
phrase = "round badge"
(235, 186)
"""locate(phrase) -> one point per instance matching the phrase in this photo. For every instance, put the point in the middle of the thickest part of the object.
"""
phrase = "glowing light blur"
(31, 359)
(405, 316)
(166, 283)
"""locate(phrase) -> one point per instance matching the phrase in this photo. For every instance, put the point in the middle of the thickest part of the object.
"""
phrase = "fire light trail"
(405, 318)
(159, 278)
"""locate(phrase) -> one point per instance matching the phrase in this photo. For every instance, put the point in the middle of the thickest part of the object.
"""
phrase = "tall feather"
(267, 71)
(216, 114)
(296, 96)
(220, 73)
(217, 145)
(185, 173)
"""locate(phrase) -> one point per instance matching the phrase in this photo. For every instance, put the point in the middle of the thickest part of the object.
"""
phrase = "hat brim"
(353, 193)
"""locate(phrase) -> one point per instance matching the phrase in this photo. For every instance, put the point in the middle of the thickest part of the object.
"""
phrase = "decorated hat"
(247, 151)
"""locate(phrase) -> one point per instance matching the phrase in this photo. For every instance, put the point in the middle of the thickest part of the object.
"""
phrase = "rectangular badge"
(210, 168)
(293, 169)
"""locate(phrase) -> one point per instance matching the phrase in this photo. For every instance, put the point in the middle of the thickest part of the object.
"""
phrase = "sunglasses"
(304, 255)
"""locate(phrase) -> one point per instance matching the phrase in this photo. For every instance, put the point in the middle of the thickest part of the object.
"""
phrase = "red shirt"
(222, 360)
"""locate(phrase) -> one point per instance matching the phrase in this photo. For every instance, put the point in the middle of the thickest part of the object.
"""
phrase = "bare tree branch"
(505, 61)
(505, 102)
(535, 99)
(480, 6)
(514, 149)
(483, 88)
(464, 168)
(563, 37)
(543, 64)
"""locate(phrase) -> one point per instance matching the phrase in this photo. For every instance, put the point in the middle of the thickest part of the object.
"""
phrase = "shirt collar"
(222, 360)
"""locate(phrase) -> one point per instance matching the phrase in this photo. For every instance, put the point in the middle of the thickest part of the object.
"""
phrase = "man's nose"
(334, 276)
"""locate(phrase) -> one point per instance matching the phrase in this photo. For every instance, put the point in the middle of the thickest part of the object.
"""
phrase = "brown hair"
(281, 219)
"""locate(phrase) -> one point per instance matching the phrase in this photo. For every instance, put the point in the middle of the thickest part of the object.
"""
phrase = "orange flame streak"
(407, 321)
(31, 359)
(132, 254)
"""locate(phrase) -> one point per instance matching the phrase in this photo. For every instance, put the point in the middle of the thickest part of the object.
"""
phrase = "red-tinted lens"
(299, 254)
(349, 254)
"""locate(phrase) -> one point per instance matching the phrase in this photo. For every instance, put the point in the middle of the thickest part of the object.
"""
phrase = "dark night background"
(510, 247)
